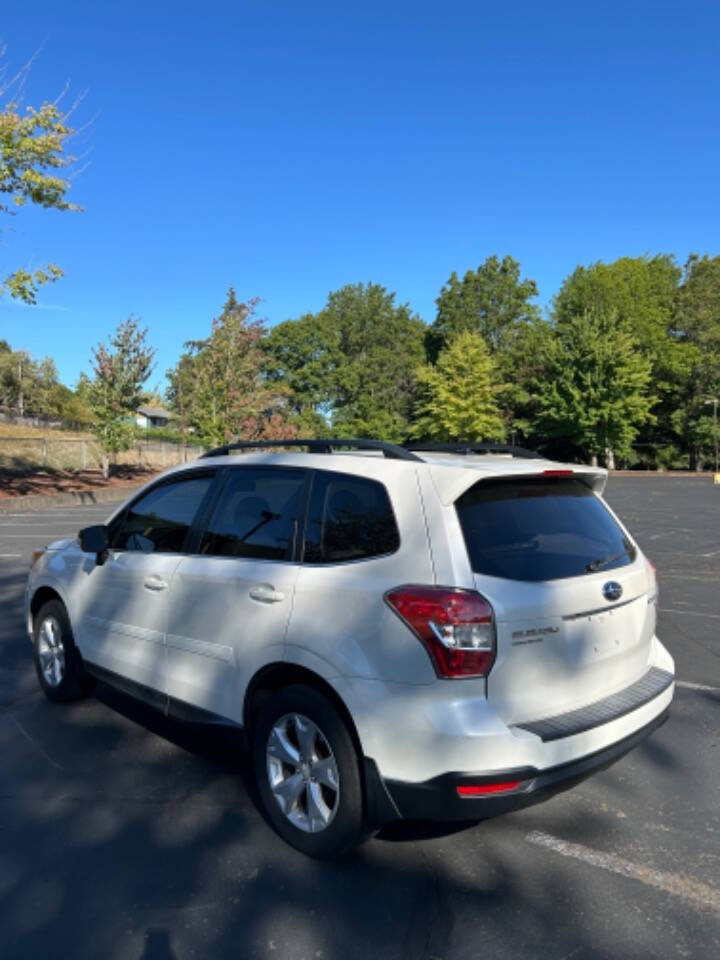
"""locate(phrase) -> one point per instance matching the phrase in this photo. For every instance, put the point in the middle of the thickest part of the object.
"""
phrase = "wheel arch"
(274, 676)
(379, 807)
(40, 597)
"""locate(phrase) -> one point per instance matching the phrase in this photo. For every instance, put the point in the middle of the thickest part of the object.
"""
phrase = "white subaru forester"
(435, 634)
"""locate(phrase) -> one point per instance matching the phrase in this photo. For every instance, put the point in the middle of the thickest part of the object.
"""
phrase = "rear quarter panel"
(339, 614)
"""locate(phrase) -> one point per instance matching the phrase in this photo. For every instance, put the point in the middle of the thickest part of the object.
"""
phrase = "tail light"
(654, 589)
(456, 627)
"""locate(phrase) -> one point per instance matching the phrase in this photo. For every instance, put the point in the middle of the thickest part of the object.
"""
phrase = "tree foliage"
(33, 155)
(218, 387)
(120, 368)
(488, 301)
(379, 348)
(458, 395)
(31, 387)
(696, 328)
(594, 393)
(352, 364)
(302, 356)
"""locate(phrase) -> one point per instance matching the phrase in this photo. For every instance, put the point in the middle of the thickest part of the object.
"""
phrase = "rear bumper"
(438, 799)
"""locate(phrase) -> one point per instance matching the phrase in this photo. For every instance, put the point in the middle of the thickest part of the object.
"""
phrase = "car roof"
(452, 474)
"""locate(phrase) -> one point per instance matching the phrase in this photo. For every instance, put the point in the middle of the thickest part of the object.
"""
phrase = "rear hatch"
(572, 594)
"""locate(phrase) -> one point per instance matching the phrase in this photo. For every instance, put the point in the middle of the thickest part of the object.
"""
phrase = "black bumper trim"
(437, 799)
(569, 724)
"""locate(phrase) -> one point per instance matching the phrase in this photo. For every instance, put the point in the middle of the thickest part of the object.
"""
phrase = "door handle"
(266, 593)
(155, 583)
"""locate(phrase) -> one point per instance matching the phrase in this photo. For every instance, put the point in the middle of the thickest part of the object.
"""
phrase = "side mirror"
(95, 540)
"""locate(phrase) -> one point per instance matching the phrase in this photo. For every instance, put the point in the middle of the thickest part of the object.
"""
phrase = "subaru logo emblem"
(612, 590)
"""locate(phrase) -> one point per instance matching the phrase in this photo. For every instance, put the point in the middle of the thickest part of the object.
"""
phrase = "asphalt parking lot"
(123, 835)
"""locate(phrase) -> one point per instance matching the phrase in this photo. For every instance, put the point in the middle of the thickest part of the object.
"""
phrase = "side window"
(159, 521)
(350, 518)
(256, 515)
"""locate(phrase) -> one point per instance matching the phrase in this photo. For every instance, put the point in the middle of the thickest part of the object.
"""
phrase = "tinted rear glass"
(537, 529)
(349, 518)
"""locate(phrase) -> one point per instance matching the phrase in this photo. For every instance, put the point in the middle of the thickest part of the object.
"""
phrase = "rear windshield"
(539, 529)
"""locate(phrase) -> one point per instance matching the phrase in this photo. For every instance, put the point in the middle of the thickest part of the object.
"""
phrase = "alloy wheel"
(51, 652)
(303, 773)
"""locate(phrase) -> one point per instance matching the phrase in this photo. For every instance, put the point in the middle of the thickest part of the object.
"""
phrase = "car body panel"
(218, 636)
(561, 644)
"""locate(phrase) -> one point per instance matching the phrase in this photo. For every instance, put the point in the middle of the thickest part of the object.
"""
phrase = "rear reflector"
(557, 473)
(481, 789)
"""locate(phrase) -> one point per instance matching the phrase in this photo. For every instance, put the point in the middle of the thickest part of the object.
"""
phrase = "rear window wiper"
(604, 561)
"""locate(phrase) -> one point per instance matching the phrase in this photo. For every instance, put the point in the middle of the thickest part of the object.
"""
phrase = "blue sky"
(289, 148)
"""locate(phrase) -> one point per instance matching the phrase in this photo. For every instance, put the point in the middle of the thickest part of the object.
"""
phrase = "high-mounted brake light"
(558, 473)
(456, 627)
(483, 789)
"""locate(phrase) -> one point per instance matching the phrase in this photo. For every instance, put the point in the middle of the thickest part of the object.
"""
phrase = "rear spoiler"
(452, 482)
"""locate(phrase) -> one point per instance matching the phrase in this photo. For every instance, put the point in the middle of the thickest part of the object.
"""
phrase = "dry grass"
(17, 430)
(27, 449)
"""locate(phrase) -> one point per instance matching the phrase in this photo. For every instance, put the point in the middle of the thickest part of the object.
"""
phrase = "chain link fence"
(84, 453)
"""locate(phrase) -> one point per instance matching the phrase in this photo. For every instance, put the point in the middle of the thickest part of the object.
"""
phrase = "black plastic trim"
(468, 449)
(170, 706)
(139, 691)
(437, 799)
(317, 445)
(569, 724)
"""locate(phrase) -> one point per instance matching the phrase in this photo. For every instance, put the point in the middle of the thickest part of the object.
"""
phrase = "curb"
(73, 498)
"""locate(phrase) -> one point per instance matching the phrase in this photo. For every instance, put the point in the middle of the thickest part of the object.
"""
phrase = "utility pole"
(21, 398)
(714, 402)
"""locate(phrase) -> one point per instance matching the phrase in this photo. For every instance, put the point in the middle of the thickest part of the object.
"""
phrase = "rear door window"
(256, 514)
(349, 518)
(536, 529)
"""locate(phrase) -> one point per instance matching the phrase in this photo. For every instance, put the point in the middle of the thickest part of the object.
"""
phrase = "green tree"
(488, 301)
(521, 363)
(302, 356)
(458, 398)
(28, 386)
(218, 386)
(594, 394)
(641, 291)
(380, 345)
(696, 326)
(352, 364)
(32, 157)
(114, 392)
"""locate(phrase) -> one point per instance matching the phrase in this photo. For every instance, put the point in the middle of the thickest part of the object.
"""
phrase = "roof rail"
(470, 448)
(317, 445)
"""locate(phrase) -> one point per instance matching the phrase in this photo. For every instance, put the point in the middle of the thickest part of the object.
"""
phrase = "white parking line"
(79, 512)
(696, 686)
(35, 744)
(677, 884)
(47, 523)
(8, 556)
(690, 613)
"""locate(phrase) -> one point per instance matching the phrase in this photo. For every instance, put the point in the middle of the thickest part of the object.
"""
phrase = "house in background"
(149, 417)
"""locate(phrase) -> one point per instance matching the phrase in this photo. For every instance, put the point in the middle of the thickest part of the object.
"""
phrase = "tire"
(58, 664)
(307, 773)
